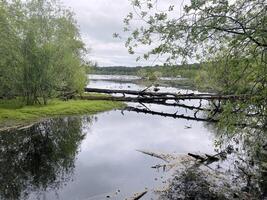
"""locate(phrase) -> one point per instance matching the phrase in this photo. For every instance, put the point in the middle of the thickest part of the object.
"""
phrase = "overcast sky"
(98, 20)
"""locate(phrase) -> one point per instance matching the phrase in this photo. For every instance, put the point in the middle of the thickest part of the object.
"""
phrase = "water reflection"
(73, 158)
(39, 158)
(240, 175)
(37, 163)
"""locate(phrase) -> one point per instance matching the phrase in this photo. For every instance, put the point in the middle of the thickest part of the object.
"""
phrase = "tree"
(229, 35)
(9, 55)
(48, 46)
(228, 38)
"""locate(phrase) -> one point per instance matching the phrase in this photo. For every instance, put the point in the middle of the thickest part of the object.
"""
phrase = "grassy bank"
(14, 112)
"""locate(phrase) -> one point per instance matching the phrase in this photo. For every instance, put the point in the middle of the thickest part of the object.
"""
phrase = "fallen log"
(169, 96)
(140, 93)
(195, 118)
(175, 115)
(143, 100)
(197, 157)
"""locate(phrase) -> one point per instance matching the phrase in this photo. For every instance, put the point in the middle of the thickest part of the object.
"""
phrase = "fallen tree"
(213, 104)
(174, 115)
(144, 100)
(168, 96)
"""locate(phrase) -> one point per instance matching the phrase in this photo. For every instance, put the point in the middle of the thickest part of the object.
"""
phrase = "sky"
(98, 20)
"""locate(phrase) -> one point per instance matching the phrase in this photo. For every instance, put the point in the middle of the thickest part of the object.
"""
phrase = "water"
(128, 78)
(95, 157)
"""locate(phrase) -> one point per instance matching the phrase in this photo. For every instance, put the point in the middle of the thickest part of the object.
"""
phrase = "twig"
(138, 195)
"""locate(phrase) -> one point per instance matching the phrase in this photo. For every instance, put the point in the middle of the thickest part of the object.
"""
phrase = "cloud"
(98, 20)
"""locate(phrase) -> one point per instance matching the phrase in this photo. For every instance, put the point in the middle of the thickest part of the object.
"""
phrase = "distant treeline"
(187, 71)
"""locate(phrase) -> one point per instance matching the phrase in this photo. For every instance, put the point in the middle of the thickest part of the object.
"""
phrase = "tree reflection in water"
(39, 158)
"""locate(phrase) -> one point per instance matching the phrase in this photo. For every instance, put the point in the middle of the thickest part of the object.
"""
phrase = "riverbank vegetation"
(41, 62)
(16, 112)
(186, 71)
(40, 51)
(149, 74)
(227, 38)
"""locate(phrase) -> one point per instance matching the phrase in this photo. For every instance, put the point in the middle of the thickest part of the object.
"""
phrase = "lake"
(97, 157)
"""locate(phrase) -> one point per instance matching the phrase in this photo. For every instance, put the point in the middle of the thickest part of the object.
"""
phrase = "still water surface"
(95, 157)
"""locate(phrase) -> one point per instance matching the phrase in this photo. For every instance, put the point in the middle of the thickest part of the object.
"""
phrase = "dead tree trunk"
(143, 100)
(169, 96)
(174, 115)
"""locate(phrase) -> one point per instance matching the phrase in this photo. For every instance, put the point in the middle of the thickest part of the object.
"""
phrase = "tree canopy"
(229, 36)
(41, 50)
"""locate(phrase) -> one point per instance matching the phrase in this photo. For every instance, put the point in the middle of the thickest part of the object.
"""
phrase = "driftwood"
(164, 157)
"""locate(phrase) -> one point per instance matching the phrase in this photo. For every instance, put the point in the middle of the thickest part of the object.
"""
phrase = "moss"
(14, 112)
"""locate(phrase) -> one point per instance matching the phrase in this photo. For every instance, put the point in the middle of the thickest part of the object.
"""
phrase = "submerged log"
(212, 157)
(208, 159)
(164, 157)
(138, 195)
(197, 157)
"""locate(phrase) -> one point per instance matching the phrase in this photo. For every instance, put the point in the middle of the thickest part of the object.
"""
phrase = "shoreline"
(15, 116)
(183, 83)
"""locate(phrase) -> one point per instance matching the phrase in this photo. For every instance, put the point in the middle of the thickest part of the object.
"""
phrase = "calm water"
(92, 157)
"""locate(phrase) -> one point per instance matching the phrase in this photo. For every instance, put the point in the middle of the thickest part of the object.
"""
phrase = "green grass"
(14, 112)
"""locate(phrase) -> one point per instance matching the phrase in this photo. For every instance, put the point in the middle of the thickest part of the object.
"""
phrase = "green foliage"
(142, 73)
(149, 74)
(185, 71)
(229, 35)
(15, 111)
(9, 55)
(41, 51)
(90, 66)
(228, 38)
